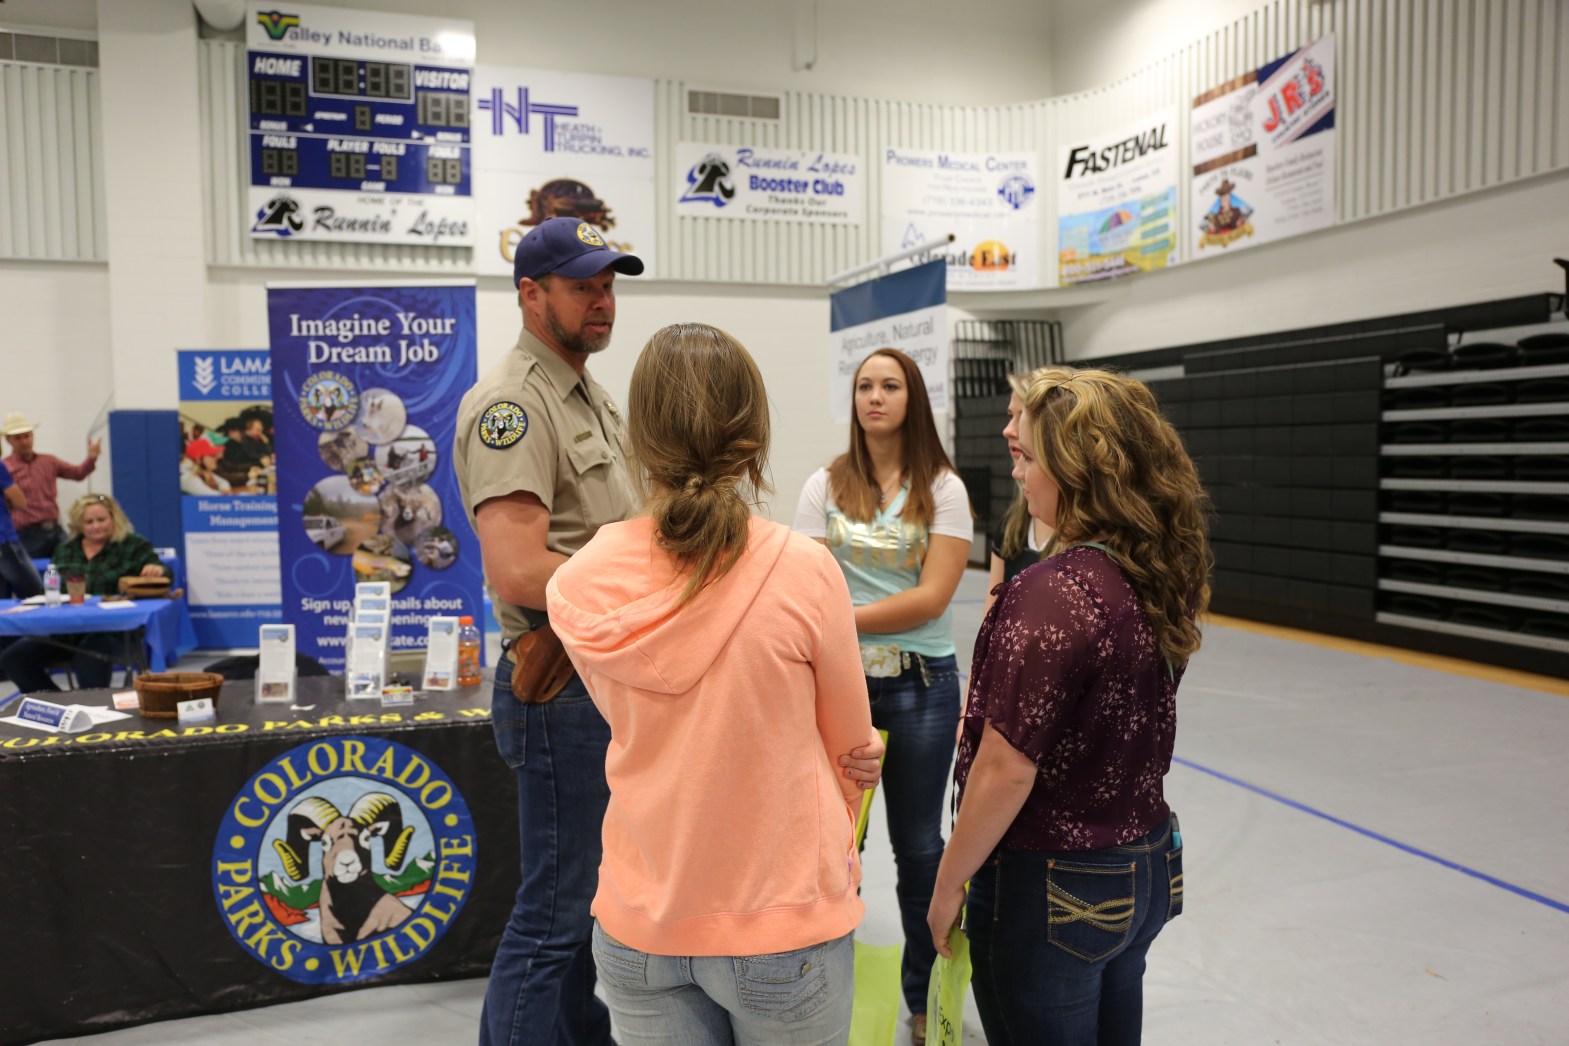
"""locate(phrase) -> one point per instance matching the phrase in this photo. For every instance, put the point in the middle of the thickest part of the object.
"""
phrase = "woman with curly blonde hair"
(1073, 857)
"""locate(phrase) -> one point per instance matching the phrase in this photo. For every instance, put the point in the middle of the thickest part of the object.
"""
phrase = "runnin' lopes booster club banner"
(1117, 202)
(228, 481)
(561, 145)
(1264, 153)
(987, 200)
(773, 185)
(906, 310)
(359, 126)
(366, 381)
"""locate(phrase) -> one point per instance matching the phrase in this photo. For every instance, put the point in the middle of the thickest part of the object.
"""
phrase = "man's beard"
(578, 343)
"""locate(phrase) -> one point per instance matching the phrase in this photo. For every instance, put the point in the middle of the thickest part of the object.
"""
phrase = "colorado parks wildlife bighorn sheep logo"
(343, 858)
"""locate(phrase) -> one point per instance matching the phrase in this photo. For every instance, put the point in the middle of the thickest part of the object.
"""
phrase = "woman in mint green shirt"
(897, 519)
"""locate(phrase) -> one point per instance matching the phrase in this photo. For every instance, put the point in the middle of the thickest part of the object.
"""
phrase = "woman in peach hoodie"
(721, 648)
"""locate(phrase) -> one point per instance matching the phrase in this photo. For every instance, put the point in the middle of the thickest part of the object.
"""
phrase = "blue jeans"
(1058, 940)
(920, 711)
(542, 980)
(18, 576)
(799, 998)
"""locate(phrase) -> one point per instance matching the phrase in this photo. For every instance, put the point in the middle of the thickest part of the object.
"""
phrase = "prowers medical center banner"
(366, 382)
(228, 479)
(907, 310)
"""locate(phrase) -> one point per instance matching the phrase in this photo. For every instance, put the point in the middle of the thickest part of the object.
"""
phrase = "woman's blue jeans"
(541, 986)
(1058, 940)
(796, 998)
(920, 711)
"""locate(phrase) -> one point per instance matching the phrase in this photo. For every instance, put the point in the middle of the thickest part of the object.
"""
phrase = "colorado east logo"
(343, 859)
(276, 23)
(709, 180)
(279, 216)
(329, 401)
(1016, 190)
(502, 424)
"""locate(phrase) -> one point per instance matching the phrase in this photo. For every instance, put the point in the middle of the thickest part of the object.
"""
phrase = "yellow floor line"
(1488, 673)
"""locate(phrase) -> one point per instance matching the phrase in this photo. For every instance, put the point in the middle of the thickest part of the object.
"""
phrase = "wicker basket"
(159, 692)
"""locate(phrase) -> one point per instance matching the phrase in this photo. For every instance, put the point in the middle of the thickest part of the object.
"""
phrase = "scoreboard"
(359, 126)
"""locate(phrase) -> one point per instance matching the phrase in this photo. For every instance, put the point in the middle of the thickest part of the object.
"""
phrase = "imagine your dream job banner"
(561, 145)
(1117, 202)
(777, 185)
(366, 382)
(1264, 153)
(986, 200)
(228, 483)
(907, 310)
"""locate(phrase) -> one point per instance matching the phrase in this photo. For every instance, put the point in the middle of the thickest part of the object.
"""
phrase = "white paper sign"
(550, 144)
(773, 185)
(196, 711)
(276, 668)
(986, 200)
(441, 654)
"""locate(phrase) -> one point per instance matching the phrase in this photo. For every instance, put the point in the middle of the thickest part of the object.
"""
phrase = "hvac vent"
(48, 50)
(720, 103)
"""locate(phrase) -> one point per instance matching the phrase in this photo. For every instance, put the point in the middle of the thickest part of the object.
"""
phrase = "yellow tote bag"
(945, 995)
(875, 1019)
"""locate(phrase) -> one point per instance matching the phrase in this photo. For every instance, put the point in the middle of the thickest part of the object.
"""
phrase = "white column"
(147, 57)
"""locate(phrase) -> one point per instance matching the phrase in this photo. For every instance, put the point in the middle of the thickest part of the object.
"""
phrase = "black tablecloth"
(151, 870)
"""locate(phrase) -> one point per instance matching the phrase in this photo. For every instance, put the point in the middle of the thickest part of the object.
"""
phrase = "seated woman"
(102, 548)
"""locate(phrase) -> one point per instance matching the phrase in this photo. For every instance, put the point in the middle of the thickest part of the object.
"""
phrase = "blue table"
(167, 621)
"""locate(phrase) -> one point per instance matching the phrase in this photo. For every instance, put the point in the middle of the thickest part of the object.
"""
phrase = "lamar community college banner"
(908, 311)
(366, 381)
(228, 480)
(1264, 153)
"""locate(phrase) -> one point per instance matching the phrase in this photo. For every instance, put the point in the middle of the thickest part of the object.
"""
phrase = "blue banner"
(905, 310)
(227, 477)
(367, 383)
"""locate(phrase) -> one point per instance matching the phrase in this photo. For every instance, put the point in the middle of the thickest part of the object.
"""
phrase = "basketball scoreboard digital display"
(359, 126)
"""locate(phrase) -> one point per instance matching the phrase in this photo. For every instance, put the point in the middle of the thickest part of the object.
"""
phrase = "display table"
(167, 621)
(155, 871)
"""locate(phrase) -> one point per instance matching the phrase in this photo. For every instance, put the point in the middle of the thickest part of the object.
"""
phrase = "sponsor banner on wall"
(775, 185)
(906, 310)
(1264, 153)
(1117, 201)
(551, 144)
(366, 380)
(986, 200)
(359, 126)
(228, 479)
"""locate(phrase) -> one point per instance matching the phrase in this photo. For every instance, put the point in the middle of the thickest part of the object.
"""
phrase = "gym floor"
(1376, 853)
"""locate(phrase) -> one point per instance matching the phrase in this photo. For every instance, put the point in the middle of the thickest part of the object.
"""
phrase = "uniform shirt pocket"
(593, 470)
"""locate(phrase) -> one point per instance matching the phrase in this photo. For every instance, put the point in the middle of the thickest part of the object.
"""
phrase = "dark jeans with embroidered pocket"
(1058, 940)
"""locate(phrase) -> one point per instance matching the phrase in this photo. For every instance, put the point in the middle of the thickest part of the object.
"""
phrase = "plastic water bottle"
(468, 653)
(51, 586)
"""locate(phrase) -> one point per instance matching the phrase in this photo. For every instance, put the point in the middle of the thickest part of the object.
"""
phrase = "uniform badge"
(614, 413)
(502, 425)
(589, 235)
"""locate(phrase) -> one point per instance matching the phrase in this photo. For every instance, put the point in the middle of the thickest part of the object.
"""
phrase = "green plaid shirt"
(103, 572)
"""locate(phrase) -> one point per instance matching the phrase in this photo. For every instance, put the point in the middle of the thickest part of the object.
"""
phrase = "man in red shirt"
(38, 524)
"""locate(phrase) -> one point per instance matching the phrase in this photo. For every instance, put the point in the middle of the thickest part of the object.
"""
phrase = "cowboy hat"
(17, 424)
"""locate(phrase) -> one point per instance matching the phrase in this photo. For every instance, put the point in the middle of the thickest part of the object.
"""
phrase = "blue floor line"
(1386, 840)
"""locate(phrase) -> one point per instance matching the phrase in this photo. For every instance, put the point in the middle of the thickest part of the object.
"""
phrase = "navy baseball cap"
(568, 247)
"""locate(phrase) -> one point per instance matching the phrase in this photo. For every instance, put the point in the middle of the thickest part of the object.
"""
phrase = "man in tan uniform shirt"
(541, 465)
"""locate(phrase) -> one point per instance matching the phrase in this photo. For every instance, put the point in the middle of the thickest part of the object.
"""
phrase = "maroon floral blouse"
(1067, 670)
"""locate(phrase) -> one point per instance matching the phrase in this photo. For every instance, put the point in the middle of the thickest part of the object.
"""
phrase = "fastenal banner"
(551, 145)
(776, 185)
(359, 126)
(907, 310)
(228, 479)
(365, 380)
(1117, 201)
(986, 200)
(1264, 153)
